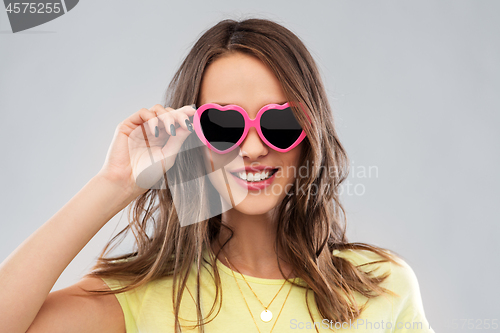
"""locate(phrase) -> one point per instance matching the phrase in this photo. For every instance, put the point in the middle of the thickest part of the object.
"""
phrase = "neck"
(252, 249)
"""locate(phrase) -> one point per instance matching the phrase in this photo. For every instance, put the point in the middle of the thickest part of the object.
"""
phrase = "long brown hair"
(310, 223)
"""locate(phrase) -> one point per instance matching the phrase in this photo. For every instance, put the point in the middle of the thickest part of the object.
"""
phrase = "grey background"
(412, 85)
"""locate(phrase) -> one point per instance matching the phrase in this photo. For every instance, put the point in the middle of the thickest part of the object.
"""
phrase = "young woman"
(236, 212)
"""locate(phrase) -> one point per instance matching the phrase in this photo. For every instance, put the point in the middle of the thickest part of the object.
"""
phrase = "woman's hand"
(137, 158)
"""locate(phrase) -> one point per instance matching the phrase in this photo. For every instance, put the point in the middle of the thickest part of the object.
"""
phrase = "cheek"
(214, 161)
(214, 177)
(292, 162)
(207, 160)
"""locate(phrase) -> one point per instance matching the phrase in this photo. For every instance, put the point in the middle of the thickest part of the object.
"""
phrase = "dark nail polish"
(157, 132)
(172, 130)
(189, 126)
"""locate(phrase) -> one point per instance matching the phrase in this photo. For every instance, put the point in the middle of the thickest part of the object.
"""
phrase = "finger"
(168, 121)
(153, 123)
(159, 109)
(181, 116)
(164, 117)
(190, 110)
(137, 119)
(173, 145)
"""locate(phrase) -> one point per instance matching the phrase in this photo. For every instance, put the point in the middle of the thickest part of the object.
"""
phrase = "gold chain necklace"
(291, 285)
(266, 315)
(266, 312)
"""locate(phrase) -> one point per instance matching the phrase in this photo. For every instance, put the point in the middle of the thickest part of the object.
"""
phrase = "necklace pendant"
(266, 316)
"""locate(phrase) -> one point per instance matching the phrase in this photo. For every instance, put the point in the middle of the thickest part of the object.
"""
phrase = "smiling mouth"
(254, 177)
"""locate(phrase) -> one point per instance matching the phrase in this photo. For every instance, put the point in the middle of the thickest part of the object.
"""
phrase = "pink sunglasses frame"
(248, 123)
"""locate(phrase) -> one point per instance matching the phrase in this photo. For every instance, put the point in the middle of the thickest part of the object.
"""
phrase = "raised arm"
(29, 273)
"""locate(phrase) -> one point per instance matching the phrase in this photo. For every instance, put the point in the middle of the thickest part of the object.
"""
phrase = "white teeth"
(254, 177)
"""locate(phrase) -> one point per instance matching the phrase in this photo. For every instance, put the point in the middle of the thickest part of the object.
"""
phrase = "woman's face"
(244, 80)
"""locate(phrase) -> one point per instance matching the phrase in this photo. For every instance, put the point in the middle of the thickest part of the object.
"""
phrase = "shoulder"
(129, 301)
(66, 309)
(358, 256)
(406, 301)
(401, 279)
(366, 260)
(127, 298)
(146, 308)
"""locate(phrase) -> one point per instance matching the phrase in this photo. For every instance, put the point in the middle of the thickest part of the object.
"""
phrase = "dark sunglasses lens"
(280, 127)
(222, 129)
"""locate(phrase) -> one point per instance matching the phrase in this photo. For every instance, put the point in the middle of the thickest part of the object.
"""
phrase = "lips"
(259, 168)
(254, 170)
(255, 185)
(251, 186)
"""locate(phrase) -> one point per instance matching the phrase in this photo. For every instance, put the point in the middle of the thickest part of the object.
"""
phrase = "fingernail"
(189, 126)
(157, 132)
(172, 129)
(193, 106)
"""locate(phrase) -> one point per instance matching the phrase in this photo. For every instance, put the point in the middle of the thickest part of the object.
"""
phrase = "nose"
(252, 146)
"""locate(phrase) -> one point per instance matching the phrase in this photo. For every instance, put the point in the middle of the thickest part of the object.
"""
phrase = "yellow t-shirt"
(149, 309)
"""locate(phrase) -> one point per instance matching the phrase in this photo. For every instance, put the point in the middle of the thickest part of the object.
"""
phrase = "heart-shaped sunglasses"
(223, 128)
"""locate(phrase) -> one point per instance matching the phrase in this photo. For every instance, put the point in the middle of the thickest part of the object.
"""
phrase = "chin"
(256, 206)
